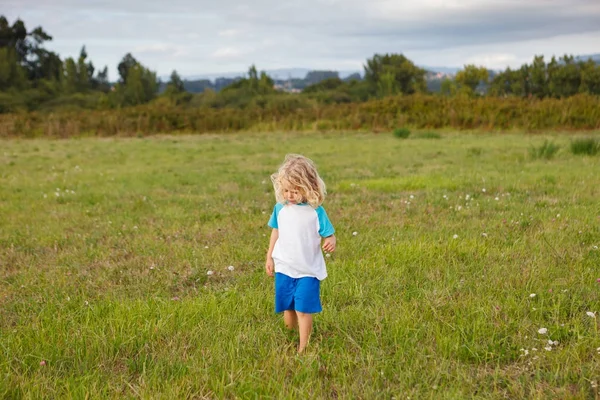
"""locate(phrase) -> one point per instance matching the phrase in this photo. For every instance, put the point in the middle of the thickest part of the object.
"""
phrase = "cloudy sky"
(198, 37)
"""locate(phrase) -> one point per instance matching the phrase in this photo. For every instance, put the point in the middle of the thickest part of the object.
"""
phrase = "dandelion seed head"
(455, 236)
(327, 255)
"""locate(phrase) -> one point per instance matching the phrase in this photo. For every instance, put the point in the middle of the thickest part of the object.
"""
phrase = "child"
(294, 256)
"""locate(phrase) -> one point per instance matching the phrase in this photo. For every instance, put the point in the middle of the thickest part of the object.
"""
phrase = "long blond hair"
(300, 173)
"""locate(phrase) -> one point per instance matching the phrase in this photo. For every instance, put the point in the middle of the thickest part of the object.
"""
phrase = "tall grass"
(465, 248)
(580, 112)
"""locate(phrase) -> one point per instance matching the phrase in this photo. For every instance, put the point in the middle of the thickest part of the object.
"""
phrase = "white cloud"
(205, 36)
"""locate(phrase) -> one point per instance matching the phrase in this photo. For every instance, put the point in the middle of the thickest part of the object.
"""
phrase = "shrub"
(545, 151)
(401, 133)
(587, 146)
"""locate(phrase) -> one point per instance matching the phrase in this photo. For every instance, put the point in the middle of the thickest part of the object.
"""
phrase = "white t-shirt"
(297, 252)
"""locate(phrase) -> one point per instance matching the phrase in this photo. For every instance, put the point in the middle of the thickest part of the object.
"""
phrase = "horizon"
(203, 38)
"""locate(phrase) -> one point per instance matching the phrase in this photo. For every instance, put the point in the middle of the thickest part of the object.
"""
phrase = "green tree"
(175, 84)
(394, 73)
(590, 77)
(470, 77)
(11, 73)
(125, 65)
(539, 77)
(71, 78)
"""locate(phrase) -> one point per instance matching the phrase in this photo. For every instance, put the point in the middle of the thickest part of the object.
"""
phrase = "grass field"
(467, 267)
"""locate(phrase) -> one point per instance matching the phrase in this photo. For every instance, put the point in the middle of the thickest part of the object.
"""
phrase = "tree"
(11, 73)
(590, 77)
(125, 65)
(71, 80)
(539, 77)
(29, 53)
(394, 73)
(175, 84)
(470, 77)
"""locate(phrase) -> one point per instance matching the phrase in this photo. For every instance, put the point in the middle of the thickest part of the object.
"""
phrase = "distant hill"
(594, 57)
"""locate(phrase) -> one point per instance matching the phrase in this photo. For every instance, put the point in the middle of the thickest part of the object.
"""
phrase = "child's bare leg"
(305, 324)
(290, 319)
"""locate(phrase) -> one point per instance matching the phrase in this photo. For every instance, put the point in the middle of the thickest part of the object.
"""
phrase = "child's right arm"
(270, 264)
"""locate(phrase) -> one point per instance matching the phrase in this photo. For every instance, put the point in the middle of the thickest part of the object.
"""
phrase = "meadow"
(467, 267)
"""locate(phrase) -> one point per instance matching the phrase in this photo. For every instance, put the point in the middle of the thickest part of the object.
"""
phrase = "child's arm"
(329, 244)
(270, 264)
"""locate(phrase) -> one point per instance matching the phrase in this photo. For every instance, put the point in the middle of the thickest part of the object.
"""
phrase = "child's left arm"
(329, 244)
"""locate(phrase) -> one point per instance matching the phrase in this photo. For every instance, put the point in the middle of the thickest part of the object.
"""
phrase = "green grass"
(105, 246)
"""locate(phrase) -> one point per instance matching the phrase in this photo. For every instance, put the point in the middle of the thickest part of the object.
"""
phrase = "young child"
(294, 257)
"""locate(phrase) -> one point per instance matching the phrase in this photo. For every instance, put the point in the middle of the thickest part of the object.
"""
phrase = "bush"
(545, 151)
(586, 146)
(401, 133)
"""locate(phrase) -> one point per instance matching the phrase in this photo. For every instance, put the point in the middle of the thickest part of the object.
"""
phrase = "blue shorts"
(299, 294)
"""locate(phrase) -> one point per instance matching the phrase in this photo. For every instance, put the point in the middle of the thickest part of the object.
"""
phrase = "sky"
(197, 37)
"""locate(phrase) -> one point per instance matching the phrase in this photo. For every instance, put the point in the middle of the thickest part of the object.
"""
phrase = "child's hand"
(270, 266)
(329, 244)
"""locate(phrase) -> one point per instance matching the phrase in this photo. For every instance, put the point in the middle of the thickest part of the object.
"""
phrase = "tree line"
(33, 78)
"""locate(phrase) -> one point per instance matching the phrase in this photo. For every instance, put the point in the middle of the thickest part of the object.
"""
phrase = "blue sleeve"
(273, 220)
(325, 226)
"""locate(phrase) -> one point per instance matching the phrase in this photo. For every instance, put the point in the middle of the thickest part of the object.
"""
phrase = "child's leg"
(290, 319)
(305, 324)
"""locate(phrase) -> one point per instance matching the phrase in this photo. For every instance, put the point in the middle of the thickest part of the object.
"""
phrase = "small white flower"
(483, 190)
(45, 196)
(206, 247)
(542, 331)
(151, 268)
(594, 247)
(209, 273)
(135, 227)
(455, 236)
(496, 198)
(591, 314)
(327, 255)
(467, 197)
(548, 348)
(555, 343)
(231, 268)
(532, 295)
(86, 303)
(411, 196)
(484, 234)
(354, 233)
(533, 349)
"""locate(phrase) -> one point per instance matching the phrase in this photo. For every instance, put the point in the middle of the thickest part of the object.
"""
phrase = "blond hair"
(300, 173)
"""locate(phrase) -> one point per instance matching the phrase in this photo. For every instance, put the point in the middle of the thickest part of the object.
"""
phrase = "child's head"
(299, 174)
